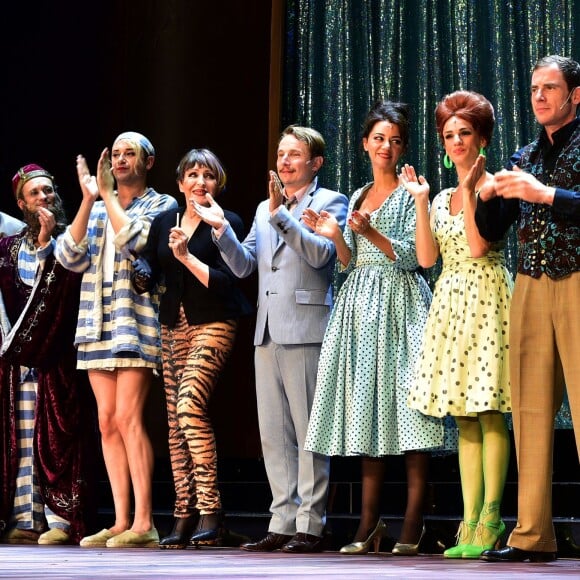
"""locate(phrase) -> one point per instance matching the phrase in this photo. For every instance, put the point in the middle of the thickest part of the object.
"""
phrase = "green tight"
(484, 451)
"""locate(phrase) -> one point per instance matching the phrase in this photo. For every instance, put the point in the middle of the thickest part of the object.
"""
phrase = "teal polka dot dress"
(371, 347)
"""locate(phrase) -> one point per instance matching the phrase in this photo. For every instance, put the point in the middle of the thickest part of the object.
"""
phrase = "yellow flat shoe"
(54, 537)
(17, 536)
(129, 539)
(98, 540)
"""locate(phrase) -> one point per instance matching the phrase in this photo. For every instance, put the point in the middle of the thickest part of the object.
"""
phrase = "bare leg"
(104, 385)
(132, 389)
(417, 466)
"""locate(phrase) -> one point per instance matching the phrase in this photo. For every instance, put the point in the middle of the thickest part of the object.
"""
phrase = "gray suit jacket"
(295, 268)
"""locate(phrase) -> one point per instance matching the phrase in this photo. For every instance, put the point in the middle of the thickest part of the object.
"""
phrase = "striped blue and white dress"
(117, 328)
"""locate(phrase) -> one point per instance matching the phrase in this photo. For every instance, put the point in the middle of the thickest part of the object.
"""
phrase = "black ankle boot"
(182, 529)
(209, 528)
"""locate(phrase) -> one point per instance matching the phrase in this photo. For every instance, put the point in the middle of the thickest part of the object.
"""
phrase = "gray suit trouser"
(285, 385)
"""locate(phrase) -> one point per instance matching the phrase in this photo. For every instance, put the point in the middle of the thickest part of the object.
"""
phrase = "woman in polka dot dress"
(463, 367)
(374, 336)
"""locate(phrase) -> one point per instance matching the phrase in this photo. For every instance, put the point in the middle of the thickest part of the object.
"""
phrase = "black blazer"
(221, 300)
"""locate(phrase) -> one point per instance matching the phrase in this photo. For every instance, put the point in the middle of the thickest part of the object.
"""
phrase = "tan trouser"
(545, 352)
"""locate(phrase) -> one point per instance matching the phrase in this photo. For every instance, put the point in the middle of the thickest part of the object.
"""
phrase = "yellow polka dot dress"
(463, 367)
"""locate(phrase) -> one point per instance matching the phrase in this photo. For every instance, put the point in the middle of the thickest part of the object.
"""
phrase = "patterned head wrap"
(145, 144)
(27, 173)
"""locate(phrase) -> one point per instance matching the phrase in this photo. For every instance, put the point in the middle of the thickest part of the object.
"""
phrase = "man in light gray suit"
(295, 270)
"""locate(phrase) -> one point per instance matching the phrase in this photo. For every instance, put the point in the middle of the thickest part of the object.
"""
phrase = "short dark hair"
(569, 67)
(202, 158)
(469, 106)
(396, 113)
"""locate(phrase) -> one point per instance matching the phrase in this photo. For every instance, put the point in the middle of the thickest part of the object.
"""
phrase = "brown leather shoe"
(304, 544)
(271, 542)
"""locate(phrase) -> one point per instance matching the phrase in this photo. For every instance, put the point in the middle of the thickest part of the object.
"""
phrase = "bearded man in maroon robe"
(47, 426)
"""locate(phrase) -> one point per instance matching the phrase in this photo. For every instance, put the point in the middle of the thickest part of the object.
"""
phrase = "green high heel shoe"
(374, 538)
(465, 535)
(495, 530)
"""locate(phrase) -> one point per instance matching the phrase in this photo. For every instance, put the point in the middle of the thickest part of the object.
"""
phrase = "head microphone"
(568, 98)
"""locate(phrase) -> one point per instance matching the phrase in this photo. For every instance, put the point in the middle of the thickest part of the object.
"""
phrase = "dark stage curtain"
(186, 74)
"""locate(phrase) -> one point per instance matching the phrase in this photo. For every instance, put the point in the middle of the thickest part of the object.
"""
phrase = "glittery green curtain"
(342, 55)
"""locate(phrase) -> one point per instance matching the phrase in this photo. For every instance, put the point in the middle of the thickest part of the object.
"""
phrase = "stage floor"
(72, 562)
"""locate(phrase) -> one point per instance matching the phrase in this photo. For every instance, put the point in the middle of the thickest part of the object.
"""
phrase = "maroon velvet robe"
(65, 427)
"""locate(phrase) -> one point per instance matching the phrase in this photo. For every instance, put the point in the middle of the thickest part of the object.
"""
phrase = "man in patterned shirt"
(542, 193)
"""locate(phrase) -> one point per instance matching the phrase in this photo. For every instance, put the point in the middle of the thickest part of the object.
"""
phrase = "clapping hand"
(417, 186)
(359, 222)
(310, 218)
(47, 223)
(276, 191)
(487, 190)
(105, 179)
(323, 223)
(211, 214)
(474, 175)
(87, 181)
(518, 184)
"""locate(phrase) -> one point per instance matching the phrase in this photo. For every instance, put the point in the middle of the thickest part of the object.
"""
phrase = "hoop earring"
(447, 162)
(482, 151)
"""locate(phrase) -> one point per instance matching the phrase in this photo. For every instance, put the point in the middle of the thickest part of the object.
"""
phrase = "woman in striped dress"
(117, 332)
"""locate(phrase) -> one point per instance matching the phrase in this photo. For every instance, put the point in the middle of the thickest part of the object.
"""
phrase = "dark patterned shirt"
(549, 240)
(549, 236)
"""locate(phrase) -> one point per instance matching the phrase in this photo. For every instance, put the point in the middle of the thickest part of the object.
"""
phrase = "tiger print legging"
(193, 357)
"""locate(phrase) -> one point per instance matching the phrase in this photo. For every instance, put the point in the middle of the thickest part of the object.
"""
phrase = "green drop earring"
(447, 162)
(482, 151)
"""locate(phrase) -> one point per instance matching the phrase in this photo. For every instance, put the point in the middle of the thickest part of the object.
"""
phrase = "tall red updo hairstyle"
(469, 106)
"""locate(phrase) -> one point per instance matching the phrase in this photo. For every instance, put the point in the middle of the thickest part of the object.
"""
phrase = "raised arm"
(240, 258)
(212, 214)
(478, 245)
(47, 225)
(426, 246)
(90, 190)
(178, 240)
(325, 224)
(106, 184)
(316, 250)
